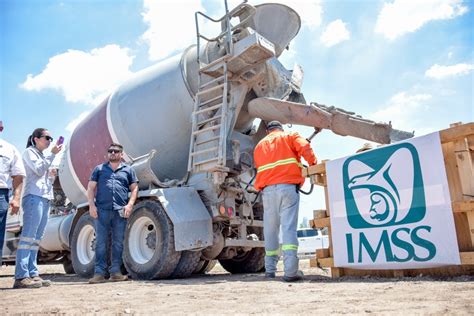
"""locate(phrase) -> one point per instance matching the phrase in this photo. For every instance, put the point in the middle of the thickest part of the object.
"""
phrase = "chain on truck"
(189, 125)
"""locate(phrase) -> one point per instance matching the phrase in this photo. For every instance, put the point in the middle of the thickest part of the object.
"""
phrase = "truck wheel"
(205, 266)
(67, 265)
(83, 246)
(245, 262)
(187, 264)
(149, 243)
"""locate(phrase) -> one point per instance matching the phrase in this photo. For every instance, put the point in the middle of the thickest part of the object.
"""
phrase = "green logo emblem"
(384, 187)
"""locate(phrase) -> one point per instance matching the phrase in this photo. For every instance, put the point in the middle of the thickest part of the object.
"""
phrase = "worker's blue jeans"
(280, 206)
(3, 218)
(35, 218)
(109, 221)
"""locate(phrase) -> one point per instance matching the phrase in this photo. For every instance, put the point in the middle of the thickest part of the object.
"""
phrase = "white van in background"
(310, 239)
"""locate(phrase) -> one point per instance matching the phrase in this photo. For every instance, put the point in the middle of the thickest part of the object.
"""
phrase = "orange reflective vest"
(278, 159)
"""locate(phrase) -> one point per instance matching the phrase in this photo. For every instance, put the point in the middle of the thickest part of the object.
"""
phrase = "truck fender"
(190, 217)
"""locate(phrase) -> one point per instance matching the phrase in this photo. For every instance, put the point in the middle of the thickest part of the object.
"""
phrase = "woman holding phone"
(37, 194)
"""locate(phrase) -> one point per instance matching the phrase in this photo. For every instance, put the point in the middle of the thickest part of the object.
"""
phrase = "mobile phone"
(60, 141)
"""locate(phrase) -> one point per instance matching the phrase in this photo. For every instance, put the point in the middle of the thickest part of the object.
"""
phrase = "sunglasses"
(48, 138)
(114, 151)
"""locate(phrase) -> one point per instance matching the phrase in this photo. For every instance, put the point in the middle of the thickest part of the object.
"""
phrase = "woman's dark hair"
(36, 133)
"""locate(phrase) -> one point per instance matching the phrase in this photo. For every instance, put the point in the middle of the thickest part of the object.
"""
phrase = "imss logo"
(383, 189)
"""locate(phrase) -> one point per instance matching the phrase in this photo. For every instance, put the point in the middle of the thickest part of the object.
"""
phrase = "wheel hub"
(151, 240)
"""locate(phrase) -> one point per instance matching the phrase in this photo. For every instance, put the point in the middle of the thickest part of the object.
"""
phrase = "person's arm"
(17, 187)
(133, 197)
(91, 189)
(303, 148)
(17, 174)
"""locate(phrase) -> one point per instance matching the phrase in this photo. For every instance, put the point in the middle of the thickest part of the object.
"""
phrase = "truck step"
(219, 62)
(205, 151)
(208, 140)
(207, 129)
(214, 107)
(206, 91)
(203, 122)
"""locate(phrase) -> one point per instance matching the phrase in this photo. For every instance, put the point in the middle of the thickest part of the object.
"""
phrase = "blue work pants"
(35, 218)
(280, 206)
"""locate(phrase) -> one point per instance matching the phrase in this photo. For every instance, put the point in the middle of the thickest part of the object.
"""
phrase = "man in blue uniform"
(110, 184)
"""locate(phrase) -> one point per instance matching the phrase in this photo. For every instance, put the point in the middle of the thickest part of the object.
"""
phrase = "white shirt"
(11, 163)
(38, 180)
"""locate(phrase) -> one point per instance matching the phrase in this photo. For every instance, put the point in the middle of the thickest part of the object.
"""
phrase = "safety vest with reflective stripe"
(278, 159)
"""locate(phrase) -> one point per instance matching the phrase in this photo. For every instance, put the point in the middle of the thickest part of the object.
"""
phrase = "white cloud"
(335, 33)
(71, 126)
(310, 12)
(440, 72)
(404, 111)
(171, 25)
(404, 16)
(85, 77)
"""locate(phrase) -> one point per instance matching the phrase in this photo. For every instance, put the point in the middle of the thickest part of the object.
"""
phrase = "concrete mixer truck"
(189, 125)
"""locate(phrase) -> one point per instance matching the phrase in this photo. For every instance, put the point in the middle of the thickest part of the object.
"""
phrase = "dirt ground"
(222, 293)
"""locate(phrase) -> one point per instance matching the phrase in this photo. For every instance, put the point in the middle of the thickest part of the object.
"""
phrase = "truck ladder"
(210, 117)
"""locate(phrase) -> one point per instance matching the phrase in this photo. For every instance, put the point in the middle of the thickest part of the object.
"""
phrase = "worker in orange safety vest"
(278, 161)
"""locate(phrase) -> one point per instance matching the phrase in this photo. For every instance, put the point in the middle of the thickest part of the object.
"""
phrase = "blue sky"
(409, 62)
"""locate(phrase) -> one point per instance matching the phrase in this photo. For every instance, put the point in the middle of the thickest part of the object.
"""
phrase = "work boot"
(98, 278)
(45, 283)
(297, 277)
(26, 283)
(269, 275)
(117, 277)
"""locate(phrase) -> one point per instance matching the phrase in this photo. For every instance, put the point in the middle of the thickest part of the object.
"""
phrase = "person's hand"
(56, 149)
(127, 210)
(15, 206)
(93, 211)
(53, 173)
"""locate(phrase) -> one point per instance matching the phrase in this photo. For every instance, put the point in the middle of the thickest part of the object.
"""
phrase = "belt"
(4, 190)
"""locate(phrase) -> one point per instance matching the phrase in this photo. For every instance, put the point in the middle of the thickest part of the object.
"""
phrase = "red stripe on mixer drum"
(89, 143)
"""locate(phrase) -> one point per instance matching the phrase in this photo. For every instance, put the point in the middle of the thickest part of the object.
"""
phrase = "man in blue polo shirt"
(110, 184)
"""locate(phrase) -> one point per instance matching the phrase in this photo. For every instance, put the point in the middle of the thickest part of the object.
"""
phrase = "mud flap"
(191, 220)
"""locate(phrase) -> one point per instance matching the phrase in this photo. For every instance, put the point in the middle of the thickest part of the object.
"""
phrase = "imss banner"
(391, 209)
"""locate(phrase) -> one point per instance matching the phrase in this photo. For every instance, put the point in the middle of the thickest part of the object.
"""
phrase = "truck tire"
(205, 266)
(83, 247)
(187, 264)
(246, 262)
(67, 265)
(149, 251)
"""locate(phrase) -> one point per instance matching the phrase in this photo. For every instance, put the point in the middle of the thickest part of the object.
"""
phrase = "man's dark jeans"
(108, 222)
(3, 218)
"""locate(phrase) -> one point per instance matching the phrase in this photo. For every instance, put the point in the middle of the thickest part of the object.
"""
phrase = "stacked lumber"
(458, 150)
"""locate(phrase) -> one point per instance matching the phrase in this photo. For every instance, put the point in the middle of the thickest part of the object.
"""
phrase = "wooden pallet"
(458, 150)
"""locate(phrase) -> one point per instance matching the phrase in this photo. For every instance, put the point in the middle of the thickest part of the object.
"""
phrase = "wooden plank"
(456, 132)
(320, 222)
(320, 168)
(322, 253)
(470, 221)
(463, 206)
(326, 262)
(454, 183)
(465, 168)
(313, 263)
(337, 272)
(466, 179)
(467, 258)
(319, 214)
